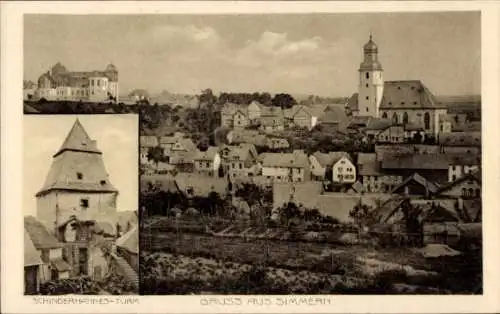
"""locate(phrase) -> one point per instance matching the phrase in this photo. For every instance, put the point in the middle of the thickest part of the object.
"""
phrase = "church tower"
(371, 82)
(77, 184)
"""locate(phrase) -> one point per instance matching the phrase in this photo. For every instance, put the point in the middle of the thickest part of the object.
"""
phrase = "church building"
(409, 102)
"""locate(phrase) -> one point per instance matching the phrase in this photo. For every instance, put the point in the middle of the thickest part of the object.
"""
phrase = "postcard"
(250, 157)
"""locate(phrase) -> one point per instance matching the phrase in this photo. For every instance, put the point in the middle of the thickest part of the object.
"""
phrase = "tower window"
(84, 203)
(367, 85)
(79, 175)
(103, 182)
(367, 75)
(367, 109)
(367, 97)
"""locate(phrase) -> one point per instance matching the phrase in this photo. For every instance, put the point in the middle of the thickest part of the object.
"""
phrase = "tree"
(155, 153)
(414, 227)
(283, 101)
(265, 99)
(360, 214)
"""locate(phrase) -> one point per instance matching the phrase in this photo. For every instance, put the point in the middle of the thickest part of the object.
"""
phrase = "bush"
(80, 285)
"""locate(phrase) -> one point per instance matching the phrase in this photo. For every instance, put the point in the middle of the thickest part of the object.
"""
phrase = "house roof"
(430, 186)
(278, 140)
(164, 183)
(163, 166)
(200, 185)
(271, 120)
(471, 230)
(471, 126)
(181, 157)
(330, 158)
(476, 176)
(252, 137)
(378, 124)
(31, 255)
(359, 121)
(368, 165)
(168, 140)
(334, 115)
(239, 153)
(464, 159)
(148, 141)
(429, 210)
(357, 187)
(130, 240)
(232, 108)
(412, 94)
(60, 265)
(460, 139)
(472, 209)
(304, 193)
(414, 127)
(41, 237)
(271, 111)
(208, 155)
(105, 227)
(125, 217)
(78, 140)
(352, 102)
(427, 162)
(29, 109)
(386, 210)
(297, 159)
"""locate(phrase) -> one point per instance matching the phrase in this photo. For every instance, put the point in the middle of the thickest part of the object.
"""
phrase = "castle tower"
(371, 82)
(77, 184)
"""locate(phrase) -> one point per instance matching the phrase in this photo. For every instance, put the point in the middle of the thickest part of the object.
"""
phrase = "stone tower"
(77, 184)
(371, 81)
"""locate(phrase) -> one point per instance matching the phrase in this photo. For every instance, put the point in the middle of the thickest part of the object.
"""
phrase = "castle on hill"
(91, 86)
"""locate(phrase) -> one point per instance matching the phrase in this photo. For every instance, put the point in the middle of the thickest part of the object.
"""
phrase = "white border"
(11, 123)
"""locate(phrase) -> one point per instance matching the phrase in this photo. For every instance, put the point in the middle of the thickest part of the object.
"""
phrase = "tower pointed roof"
(370, 46)
(370, 61)
(78, 140)
(78, 166)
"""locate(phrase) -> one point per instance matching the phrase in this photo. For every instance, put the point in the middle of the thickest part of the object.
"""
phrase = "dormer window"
(79, 175)
(402, 102)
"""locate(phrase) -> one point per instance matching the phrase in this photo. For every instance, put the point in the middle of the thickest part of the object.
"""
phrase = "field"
(199, 261)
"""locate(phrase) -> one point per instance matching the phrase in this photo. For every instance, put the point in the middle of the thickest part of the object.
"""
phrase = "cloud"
(189, 58)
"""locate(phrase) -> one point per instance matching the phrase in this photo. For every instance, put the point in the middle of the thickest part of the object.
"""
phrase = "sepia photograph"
(311, 154)
(231, 158)
(80, 205)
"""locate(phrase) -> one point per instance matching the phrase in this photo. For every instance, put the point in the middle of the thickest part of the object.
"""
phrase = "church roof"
(412, 94)
(78, 140)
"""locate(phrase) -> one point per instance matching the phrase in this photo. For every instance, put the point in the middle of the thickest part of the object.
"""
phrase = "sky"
(294, 53)
(44, 135)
